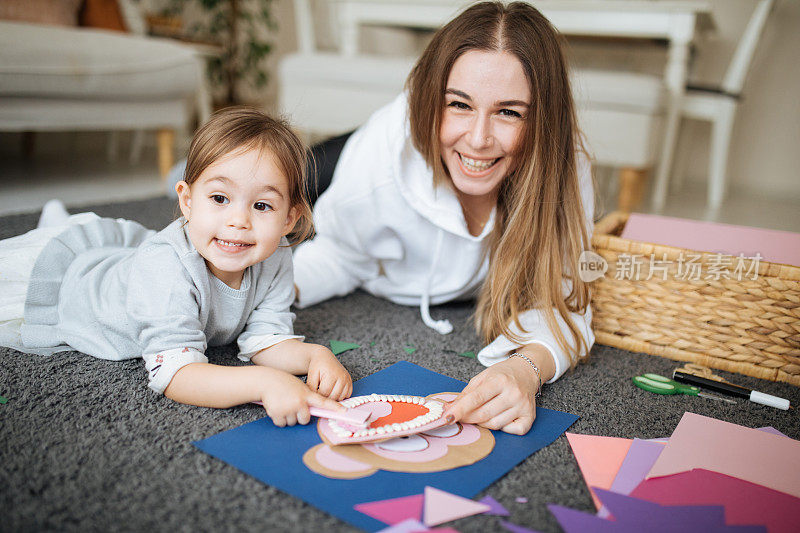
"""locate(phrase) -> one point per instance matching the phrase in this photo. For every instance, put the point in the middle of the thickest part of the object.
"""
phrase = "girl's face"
(487, 100)
(237, 211)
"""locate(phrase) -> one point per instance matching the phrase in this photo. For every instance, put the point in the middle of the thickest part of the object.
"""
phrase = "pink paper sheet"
(745, 503)
(599, 459)
(749, 454)
(394, 510)
(638, 462)
(773, 245)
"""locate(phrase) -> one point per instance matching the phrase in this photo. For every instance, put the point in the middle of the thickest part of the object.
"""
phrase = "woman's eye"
(219, 199)
(458, 104)
(510, 113)
(261, 206)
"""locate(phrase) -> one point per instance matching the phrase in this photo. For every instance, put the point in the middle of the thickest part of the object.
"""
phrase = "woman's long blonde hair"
(540, 228)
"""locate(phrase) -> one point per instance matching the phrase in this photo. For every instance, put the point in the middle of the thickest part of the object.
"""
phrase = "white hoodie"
(382, 226)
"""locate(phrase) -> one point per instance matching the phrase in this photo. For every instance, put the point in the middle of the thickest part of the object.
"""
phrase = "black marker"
(731, 390)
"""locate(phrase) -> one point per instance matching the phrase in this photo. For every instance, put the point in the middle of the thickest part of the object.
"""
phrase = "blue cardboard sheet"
(274, 455)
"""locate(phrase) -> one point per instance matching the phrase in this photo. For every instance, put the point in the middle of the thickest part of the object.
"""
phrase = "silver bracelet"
(535, 369)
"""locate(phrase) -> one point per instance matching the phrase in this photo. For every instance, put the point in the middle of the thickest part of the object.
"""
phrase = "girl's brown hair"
(245, 128)
(540, 227)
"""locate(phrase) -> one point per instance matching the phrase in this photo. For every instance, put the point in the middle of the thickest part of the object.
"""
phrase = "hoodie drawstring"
(442, 326)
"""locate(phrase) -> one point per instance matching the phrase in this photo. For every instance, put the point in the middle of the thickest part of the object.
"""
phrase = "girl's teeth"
(226, 243)
(475, 165)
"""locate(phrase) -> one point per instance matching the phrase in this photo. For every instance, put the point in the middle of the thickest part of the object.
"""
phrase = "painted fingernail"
(449, 419)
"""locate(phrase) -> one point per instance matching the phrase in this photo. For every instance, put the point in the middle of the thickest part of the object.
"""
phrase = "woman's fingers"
(502, 419)
(468, 401)
(489, 410)
(520, 426)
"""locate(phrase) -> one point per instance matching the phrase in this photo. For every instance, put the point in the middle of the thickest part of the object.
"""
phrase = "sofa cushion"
(49, 61)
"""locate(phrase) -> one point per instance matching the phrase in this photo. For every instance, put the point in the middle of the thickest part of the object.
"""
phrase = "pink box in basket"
(773, 245)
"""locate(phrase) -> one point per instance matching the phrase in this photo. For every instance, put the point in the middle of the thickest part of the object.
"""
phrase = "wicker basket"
(750, 326)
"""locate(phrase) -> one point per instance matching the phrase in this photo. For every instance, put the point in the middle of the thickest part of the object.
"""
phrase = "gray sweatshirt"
(115, 290)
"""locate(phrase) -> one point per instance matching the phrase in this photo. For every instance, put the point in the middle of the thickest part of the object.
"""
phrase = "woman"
(474, 182)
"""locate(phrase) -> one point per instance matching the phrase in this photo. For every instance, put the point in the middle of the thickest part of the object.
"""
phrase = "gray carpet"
(85, 446)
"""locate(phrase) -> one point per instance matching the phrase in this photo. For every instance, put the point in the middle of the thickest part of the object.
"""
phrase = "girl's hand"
(286, 400)
(501, 397)
(326, 375)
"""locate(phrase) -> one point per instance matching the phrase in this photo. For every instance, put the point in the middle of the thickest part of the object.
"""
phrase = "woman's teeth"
(475, 165)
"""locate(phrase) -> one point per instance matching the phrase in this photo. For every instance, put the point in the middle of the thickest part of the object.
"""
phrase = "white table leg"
(675, 77)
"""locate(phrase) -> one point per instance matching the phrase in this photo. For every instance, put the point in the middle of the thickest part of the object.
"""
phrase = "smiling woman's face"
(487, 100)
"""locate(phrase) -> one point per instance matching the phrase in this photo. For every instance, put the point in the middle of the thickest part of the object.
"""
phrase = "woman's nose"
(480, 135)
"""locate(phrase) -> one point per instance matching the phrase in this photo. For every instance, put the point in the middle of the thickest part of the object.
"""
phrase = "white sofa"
(69, 78)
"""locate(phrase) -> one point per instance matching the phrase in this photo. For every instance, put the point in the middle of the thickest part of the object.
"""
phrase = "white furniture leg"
(721, 130)
(137, 142)
(675, 77)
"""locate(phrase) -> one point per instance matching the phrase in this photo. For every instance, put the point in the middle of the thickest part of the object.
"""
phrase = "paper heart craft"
(393, 416)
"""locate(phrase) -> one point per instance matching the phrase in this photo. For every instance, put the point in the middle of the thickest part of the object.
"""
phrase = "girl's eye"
(261, 206)
(510, 113)
(458, 104)
(219, 199)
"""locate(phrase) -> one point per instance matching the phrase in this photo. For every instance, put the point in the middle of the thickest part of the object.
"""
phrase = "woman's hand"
(503, 396)
(326, 375)
(286, 399)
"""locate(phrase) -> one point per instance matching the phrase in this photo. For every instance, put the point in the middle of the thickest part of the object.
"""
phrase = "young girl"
(472, 183)
(221, 272)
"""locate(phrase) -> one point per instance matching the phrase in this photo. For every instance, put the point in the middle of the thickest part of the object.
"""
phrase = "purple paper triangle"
(495, 507)
(627, 509)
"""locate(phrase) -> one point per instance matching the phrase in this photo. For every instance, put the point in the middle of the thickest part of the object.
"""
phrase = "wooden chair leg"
(631, 187)
(166, 158)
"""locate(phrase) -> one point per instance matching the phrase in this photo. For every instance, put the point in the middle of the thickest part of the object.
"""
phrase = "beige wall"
(765, 148)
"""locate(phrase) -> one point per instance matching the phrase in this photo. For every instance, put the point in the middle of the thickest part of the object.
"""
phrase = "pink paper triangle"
(393, 511)
(599, 459)
(441, 506)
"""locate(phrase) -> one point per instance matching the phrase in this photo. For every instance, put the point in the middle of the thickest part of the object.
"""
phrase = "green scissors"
(661, 385)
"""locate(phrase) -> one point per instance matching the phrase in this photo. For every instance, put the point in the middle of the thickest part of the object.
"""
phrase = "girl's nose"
(239, 217)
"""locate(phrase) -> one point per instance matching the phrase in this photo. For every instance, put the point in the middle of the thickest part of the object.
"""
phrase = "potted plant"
(240, 29)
